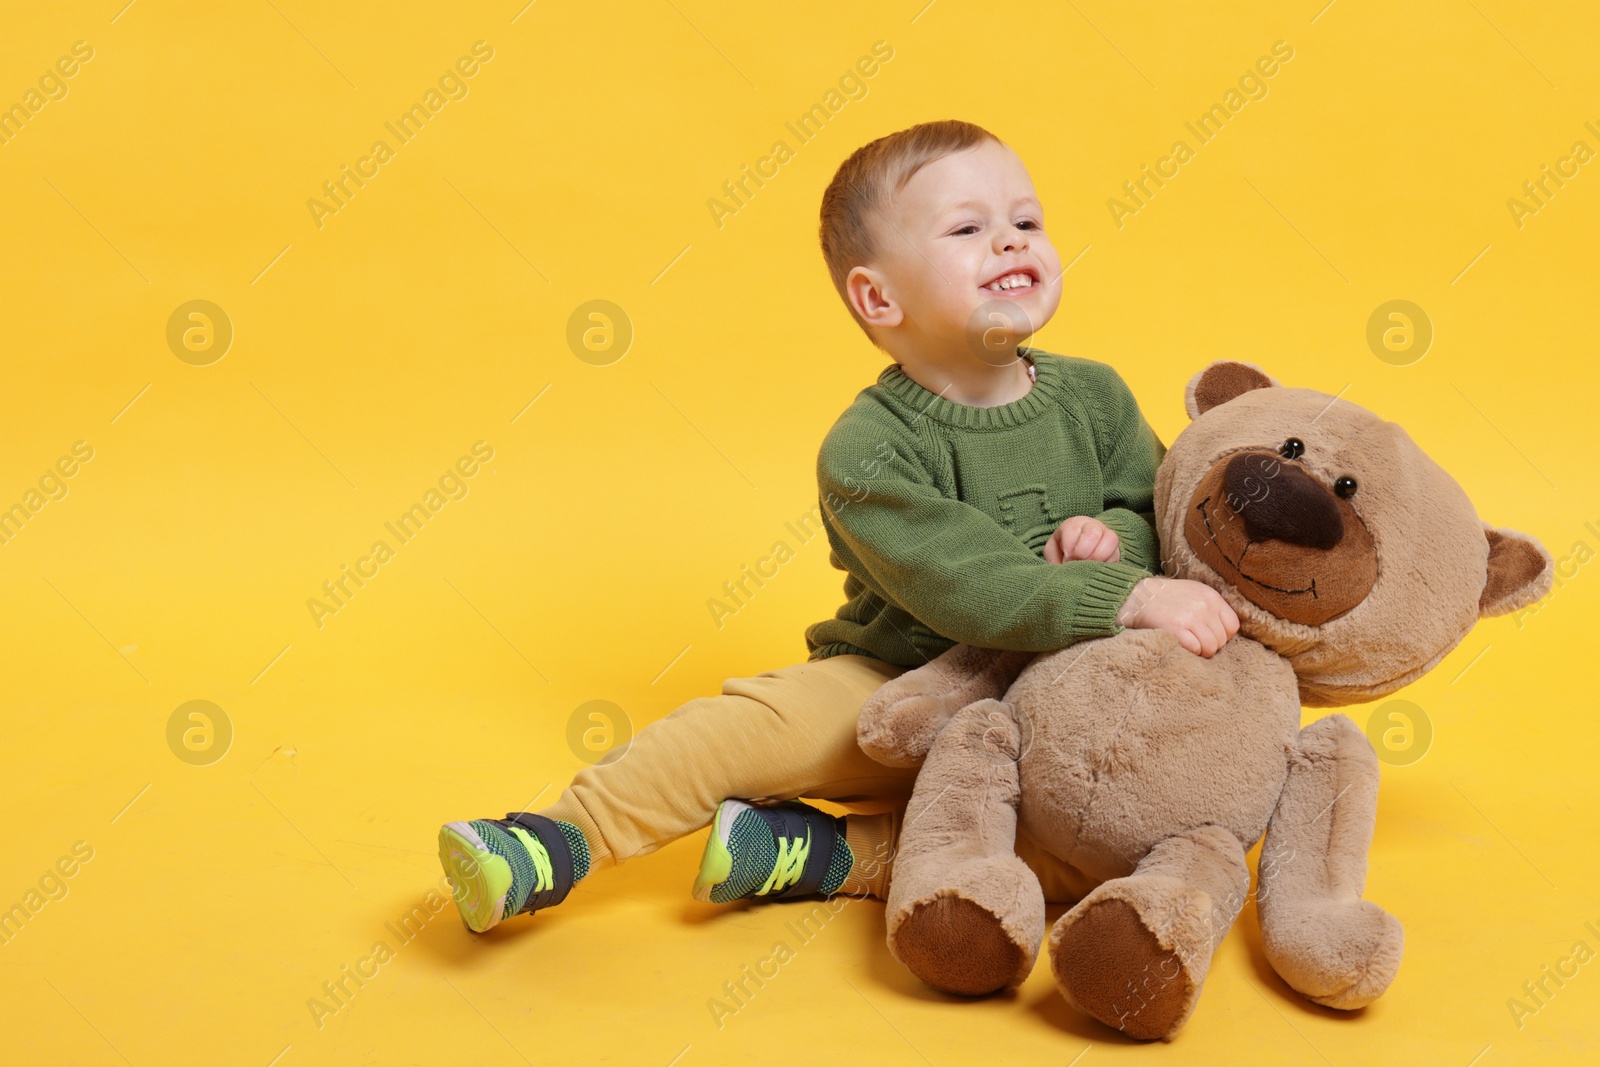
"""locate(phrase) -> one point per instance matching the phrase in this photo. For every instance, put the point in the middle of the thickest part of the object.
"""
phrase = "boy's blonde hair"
(864, 184)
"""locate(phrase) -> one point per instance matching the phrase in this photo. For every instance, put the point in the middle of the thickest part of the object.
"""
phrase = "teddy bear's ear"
(1220, 383)
(1520, 571)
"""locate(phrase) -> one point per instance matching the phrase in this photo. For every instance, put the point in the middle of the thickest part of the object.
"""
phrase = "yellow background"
(427, 313)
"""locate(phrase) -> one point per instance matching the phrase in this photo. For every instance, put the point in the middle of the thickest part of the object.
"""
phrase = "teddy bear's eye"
(1345, 487)
(1293, 448)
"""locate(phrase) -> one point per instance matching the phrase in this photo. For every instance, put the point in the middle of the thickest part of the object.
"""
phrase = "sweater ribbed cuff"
(1102, 596)
(1133, 534)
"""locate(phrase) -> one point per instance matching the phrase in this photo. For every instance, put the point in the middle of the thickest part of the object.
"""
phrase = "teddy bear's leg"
(964, 913)
(1135, 952)
(902, 717)
(1317, 932)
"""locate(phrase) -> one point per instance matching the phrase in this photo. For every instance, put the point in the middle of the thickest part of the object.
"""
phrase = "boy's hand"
(1193, 612)
(1082, 537)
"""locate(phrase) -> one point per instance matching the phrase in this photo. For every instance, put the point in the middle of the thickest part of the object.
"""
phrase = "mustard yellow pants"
(779, 735)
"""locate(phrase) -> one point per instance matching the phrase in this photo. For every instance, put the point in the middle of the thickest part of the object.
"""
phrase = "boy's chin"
(996, 327)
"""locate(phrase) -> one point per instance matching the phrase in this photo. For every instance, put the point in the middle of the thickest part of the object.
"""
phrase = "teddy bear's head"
(1341, 545)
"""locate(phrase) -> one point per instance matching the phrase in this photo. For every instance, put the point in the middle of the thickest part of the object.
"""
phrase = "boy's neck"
(971, 381)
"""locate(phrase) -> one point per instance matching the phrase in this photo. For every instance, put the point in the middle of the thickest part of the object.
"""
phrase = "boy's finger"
(1218, 633)
(1222, 614)
(1087, 540)
(1214, 607)
(1189, 641)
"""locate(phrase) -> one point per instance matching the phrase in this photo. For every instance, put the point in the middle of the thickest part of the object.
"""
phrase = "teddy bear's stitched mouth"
(1237, 565)
(1305, 557)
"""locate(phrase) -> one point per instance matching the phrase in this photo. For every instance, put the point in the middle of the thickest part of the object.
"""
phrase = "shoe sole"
(716, 862)
(480, 878)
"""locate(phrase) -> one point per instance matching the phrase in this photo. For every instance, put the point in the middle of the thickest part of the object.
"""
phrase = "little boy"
(979, 492)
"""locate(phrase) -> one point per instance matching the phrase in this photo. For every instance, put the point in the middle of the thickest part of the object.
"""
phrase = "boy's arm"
(1129, 471)
(952, 566)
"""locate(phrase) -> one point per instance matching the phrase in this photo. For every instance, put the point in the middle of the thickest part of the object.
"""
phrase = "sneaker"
(776, 852)
(504, 867)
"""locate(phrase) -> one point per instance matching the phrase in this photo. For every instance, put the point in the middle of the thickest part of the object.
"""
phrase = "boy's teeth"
(1010, 281)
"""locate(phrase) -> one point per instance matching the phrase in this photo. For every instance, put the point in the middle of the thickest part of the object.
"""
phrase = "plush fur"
(1151, 771)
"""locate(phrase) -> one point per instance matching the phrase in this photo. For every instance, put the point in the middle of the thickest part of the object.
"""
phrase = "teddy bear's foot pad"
(1111, 966)
(958, 946)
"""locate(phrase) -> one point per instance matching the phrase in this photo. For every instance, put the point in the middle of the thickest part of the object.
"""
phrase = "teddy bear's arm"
(1317, 932)
(899, 722)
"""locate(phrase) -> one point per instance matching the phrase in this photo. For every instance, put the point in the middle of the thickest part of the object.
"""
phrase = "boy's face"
(959, 227)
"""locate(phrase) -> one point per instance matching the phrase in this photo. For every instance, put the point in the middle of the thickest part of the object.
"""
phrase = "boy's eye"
(1027, 224)
(968, 228)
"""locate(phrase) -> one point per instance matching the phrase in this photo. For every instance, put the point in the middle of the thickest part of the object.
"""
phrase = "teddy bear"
(1355, 563)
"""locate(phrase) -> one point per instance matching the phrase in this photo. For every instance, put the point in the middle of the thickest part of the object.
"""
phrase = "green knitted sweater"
(938, 512)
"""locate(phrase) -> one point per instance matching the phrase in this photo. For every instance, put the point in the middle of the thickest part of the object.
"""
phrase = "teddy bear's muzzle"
(1281, 537)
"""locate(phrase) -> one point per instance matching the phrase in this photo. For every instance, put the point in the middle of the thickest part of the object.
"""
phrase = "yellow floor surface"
(250, 880)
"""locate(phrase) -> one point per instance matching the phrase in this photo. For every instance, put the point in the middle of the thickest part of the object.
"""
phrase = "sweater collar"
(1043, 394)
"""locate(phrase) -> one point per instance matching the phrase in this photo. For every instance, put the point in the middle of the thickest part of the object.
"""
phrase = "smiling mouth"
(1017, 281)
(1237, 565)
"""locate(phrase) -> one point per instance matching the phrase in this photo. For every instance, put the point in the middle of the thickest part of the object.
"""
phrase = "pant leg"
(783, 733)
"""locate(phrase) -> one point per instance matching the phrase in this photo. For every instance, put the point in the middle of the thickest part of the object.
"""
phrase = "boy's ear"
(1520, 571)
(1220, 383)
(863, 287)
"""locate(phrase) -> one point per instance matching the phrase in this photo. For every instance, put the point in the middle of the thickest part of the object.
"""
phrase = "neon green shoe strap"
(801, 869)
(792, 853)
(544, 876)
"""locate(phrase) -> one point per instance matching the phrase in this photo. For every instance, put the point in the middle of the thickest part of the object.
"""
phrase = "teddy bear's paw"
(1339, 954)
(959, 946)
(1135, 953)
(970, 927)
(901, 719)
(1108, 964)
(897, 729)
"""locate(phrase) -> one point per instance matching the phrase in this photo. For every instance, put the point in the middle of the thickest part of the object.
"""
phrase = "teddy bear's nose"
(1280, 502)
